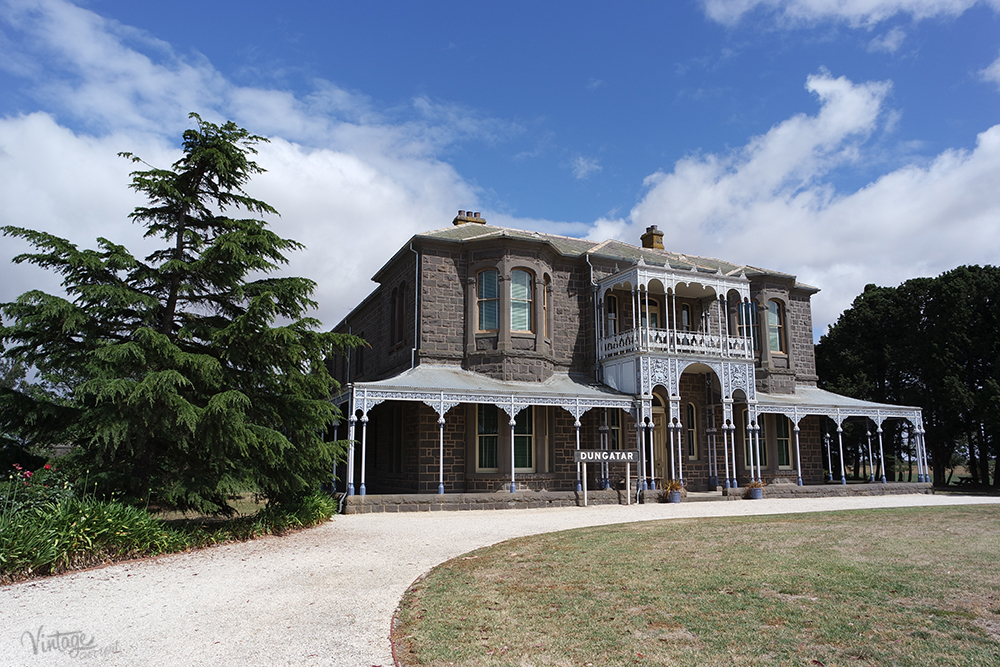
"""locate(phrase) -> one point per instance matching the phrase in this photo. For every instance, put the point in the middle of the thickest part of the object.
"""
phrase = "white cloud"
(767, 203)
(855, 12)
(351, 181)
(889, 42)
(992, 73)
(585, 166)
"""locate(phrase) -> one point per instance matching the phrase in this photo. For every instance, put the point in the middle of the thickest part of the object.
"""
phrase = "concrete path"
(323, 596)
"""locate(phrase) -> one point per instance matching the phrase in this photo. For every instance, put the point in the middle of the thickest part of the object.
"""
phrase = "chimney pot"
(653, 238)
(476, 214)
(461, 213)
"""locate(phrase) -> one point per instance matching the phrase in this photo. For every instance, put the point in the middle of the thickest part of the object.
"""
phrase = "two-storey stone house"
(495, 353)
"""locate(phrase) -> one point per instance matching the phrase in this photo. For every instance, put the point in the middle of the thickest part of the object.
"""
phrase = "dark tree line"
(932, 343)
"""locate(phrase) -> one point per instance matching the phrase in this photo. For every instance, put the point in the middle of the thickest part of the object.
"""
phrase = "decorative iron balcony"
(670, 341)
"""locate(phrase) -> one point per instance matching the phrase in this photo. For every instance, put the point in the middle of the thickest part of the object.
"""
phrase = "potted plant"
(754, 490)
(673, 490)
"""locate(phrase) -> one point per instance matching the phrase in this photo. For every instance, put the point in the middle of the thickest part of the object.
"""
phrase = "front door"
(661, 465)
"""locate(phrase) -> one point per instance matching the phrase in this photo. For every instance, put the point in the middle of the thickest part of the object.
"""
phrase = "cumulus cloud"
(770, 203)
(352, 181)
(855, 12)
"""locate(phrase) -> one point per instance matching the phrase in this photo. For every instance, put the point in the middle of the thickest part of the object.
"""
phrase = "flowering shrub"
(26, 489)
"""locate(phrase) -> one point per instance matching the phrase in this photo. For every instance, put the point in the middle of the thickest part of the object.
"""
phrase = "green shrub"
(46, 537)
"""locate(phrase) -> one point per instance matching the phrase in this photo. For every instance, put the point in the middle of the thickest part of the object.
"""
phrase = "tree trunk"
(984, 456)
(973, 463)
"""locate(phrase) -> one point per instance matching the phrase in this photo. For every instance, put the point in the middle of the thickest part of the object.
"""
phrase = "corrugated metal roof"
(426, 381)
(814, 397)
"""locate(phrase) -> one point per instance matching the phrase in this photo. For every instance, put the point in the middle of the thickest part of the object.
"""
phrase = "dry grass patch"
(900, 587)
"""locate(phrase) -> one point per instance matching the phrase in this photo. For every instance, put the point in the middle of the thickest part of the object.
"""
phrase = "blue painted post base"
(800, 481)
(726, 485)
(883, 479)
(736, 484)
(579, 486)
(350, 489)
(513, 487)
(441, 489)
(644, 487)
(843, 480)
(652, 485)
(362, 489)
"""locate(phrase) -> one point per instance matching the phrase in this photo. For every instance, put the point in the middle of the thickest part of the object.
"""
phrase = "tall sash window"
(488, 299)
(521, 302)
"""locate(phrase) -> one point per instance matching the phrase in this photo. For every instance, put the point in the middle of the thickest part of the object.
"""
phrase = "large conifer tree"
(189, 375)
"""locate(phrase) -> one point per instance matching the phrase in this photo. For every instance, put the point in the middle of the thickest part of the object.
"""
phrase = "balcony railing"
(670, 341)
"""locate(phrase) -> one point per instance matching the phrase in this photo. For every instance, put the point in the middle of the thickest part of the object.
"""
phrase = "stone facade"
(524, 307)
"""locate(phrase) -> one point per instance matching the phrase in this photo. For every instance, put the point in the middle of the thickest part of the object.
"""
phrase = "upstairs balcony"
(650, 340)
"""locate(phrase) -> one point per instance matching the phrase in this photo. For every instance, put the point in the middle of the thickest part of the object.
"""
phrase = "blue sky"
(844, 141)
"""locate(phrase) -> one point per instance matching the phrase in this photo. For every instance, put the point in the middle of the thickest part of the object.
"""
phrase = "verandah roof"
(815, 401)
(443, 387)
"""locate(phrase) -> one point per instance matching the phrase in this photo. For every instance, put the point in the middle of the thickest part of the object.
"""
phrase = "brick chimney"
(468, 216)
(653, 238)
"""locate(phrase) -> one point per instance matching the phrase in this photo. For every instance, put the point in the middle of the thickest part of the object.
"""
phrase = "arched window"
(521, 301)
(776, 326)
(488, 299)
(692, 431)
(545, 307)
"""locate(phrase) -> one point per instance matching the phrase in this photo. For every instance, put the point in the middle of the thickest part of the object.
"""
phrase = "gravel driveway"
(323, 596)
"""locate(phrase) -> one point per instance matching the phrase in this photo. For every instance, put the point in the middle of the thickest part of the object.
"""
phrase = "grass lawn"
(882, 587)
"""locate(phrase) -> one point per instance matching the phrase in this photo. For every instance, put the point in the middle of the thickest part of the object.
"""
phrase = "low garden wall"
(502, 500)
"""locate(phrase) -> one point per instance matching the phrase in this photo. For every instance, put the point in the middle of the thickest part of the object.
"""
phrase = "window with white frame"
(521, 301)
(524, 441)
(611, 321)
(650, 315)
(776, 326)
(748, 323)
(488, 299)
(782, 435)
